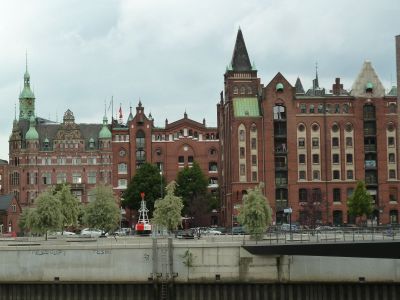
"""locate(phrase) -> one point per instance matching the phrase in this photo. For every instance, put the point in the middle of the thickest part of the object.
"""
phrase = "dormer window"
(91, 143)
(279, 87)
(369, 87)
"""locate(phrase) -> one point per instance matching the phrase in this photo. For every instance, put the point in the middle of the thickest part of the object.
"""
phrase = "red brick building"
(308, 147)
(10, 211)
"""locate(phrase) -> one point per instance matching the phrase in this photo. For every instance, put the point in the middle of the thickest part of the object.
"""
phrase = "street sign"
(287, 210)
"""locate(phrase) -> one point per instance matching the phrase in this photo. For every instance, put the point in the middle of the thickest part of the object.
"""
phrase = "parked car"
(287, 227)
(212, 231)
(238, 230)
(122, 231)
(92, 232)
(62, 233)
(184, 234)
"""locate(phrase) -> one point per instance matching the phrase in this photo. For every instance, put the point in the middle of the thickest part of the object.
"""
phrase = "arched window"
(279, 112)
(392, 108)
(122, 168)
(235, 90)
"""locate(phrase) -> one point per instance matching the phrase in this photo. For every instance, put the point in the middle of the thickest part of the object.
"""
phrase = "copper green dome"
(32, 133)
(369, 85)
(105, 133)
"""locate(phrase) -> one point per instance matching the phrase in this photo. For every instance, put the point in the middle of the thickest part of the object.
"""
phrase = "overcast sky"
(172, 54)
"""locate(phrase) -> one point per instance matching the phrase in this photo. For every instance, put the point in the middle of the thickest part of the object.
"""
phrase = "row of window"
(242, 90)
(315, 195)
(335, 158)
(316, 175)
(327, 108)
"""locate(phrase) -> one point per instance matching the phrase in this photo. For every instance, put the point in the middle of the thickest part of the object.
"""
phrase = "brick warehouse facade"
(309, 148)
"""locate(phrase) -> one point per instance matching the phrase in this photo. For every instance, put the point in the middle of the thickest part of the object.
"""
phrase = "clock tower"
(26, 98)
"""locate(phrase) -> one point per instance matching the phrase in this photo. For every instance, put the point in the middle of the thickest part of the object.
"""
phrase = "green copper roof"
(105, 133)
(246, 107)
(32, 133)
(26, 93)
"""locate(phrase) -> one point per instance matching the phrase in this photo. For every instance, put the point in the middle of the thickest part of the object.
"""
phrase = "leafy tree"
(148, 180)
(70, 206)
(360, 202)
(255, 213)
(25, 219)
(47, 215)
(167, 211)
(192, 187)
(103, 212)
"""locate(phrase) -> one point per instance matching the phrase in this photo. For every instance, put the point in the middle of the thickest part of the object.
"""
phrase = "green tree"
(192, 187)
(359, 204)
(47, 215)
(148, 180)
(103, 212)
(255, 213)
(167, 211)
(69, 206)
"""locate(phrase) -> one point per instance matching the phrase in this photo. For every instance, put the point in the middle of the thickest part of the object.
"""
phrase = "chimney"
(337, 87)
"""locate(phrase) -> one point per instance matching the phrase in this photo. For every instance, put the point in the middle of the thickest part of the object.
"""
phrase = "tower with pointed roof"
(239, 122)
(26, 98)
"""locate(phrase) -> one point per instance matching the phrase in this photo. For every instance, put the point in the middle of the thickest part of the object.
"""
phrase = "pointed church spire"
(299, 86)
(240, 58)
(315, 81)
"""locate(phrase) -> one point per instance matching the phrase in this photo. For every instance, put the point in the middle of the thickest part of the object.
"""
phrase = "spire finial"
(26, 60)
(15, 111)
(105, 107)
(185, 114)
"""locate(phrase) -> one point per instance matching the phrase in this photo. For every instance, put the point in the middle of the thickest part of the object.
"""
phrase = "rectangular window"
(335, 142)
(254, 176)
(391, 141)
(335, 158)
(190, 159)
(311, 108)
(320, 108)
(92, 177)
(253, 143)
(393, 194)
(77, 194)
(337, 108)
(61, 178)
(76, 178)
(122, 168)
(241, 152)
(302, 175)
(303, 108)
(336, 174)
(122, 183)
(302, 158)
(242, 169)
(61, 160)
(316, 175)
(392, 158)
(301, 142)
(315, 142)
(254, 160)
(303, 195)
(181, 159)
(350, 174)
(349, 158)
(349, 141)
(315, 159)
(76, 161)
(336, 195)
(46, 178)
(13, 208)
(91, 160)
(392, 174)
(349, 192)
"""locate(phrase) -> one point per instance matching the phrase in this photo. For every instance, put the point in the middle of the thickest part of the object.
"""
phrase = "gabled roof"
(240, 58)
(367, 78)
(5, 201)
(393, 91)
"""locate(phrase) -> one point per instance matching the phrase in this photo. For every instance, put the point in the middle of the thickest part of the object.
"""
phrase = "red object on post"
(142, 195)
